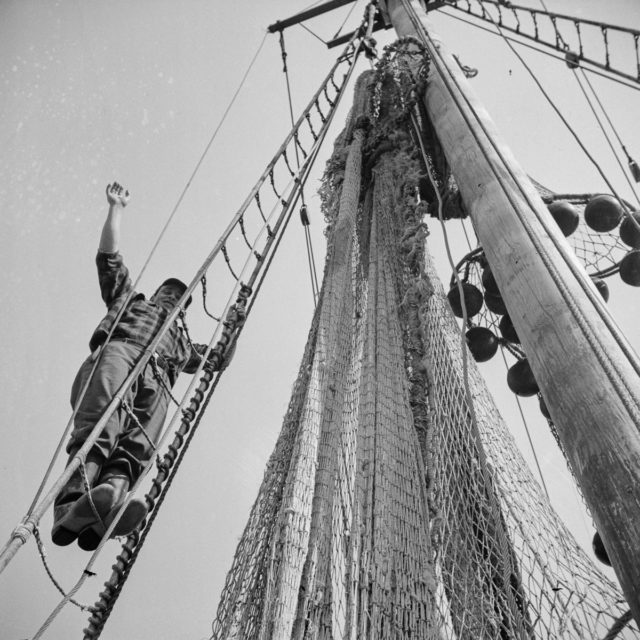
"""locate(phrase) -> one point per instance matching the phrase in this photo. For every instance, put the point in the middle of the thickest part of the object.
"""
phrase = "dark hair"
(176, 283)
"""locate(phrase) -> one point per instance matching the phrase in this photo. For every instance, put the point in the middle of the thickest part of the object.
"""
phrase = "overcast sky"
(132, 91)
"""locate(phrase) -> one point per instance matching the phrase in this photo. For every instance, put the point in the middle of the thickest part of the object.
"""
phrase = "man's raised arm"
(118, 198)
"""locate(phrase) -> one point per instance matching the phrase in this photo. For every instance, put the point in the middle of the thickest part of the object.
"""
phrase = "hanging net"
(391, 507)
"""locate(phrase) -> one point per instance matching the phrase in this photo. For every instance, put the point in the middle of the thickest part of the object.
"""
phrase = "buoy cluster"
(483, 343)
(604, 213)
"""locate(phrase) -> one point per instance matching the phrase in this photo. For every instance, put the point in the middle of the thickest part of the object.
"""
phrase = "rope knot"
(22, 532)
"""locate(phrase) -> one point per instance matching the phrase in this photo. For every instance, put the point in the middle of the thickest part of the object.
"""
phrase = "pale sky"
(132, 91)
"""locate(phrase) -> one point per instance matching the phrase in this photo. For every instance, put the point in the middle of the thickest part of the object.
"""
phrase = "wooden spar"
(280, 25)
(586, 370)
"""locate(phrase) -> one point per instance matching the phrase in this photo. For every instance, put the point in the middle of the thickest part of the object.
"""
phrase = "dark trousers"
(121, 448)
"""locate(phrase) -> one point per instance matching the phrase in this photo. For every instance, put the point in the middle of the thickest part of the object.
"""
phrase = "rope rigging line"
(633, 165)
(353, 6)
(315, 290)
(315, 35)
(138, 278)
(526, 428)
(207, 147)
(132, 546)
(67, 598)
(605, 134)
(285, 70)
(619, 625)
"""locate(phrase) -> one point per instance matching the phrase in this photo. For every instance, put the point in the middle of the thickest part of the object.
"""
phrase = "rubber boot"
(131, 518)
(66, 500)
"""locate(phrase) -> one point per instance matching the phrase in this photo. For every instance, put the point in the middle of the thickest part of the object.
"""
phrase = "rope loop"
(203, 282)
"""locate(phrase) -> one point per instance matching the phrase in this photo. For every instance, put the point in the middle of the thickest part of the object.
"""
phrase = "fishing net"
(392, 506)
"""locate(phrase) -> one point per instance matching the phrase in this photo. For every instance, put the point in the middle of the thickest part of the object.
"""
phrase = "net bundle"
(390, 506)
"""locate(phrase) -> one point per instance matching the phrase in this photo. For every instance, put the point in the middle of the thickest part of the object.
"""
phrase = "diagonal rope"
(619, 626)
(312, 266)
(205, 151)
(604, 132)
(353, 6)
(315, 35)
(315, 291)
(526, 428)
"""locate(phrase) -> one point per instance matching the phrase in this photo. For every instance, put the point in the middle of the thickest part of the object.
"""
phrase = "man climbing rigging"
(128, 439)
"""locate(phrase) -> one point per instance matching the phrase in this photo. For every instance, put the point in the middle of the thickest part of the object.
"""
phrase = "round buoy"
(472, 299)
(489, 282)
(603, 213)
(507, 329)
(520, 379)
(599, 550)
(495, 303)
(602, 287)
(630, 268)
(629, 232)
(482, 343)
(543, 408)
(565, 215)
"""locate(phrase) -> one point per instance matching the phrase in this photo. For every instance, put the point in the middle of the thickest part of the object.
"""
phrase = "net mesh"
(391, 507)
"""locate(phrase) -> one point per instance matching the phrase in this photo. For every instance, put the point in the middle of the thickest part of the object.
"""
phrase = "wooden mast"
(586, 370)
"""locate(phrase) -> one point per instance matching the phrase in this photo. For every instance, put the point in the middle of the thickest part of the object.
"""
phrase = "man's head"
(169, 292)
